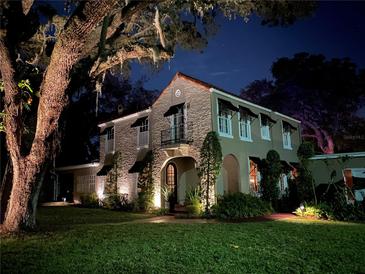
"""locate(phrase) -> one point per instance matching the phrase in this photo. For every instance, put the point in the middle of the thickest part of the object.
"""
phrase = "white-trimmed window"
(283, 185)
(142, 138)
(265, 127)
(109, 141)
(286, 135)
(244, 125)
(85, 183)
(225, 109)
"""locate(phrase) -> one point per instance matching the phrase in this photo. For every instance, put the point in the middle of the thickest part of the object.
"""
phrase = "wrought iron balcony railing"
(179, 134)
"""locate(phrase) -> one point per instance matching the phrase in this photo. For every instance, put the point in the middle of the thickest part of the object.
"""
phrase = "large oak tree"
(94, 36)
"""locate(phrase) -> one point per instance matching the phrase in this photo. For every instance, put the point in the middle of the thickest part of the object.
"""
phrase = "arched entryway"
(231, 174)
(179, 174)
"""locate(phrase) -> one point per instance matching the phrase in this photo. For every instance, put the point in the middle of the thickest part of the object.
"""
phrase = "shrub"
(193, 202)
(145, 201)
(209, 168)
(237, 206)
(89, 200)
(272, 169)
(348, 212)
(117, 202)
(305, 151)
(161, 211)
(305, 181)
(194, 209)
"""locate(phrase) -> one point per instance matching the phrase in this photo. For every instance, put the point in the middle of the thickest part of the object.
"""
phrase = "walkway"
(174, 220)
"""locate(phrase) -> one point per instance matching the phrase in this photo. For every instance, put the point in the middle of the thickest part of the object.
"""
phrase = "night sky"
(243, 52)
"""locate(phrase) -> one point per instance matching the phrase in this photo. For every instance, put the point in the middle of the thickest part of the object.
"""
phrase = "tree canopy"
(324, 94)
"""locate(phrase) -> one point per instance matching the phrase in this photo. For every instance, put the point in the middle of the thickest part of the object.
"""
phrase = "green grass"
(61, 218)
(276, 247)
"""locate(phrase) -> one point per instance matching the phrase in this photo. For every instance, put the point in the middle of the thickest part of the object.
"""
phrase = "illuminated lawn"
(275, 247)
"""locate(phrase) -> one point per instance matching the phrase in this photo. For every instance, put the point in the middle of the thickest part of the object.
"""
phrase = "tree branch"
(126, 15)
(137, 52)
(157, 25)
(66, 53)
(27, 5)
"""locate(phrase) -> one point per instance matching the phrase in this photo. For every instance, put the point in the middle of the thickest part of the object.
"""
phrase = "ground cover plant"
(276, 247)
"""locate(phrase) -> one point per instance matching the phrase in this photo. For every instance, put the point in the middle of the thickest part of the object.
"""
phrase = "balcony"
(180, 134)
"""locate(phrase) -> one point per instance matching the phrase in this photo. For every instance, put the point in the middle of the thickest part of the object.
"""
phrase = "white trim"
(238, 99)
(65, 168)
(338, 155)
(252, 104)
(246, 139)
(133, 115)
(287, 117)
(290, 139)
(223, 134)
(262, 137)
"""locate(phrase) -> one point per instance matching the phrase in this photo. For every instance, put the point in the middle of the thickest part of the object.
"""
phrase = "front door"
(171, 182)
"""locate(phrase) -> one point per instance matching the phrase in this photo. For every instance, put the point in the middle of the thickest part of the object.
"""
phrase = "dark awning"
(108, 165)
(227, 104)
(288, 126)
(268, 118)
(104, 131)
(141, 162)
(139, 121)
(137, 167)
(104, 171)
(173, 109)
(247, 111)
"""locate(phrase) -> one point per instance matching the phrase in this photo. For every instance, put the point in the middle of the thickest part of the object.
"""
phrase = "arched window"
(171, 177)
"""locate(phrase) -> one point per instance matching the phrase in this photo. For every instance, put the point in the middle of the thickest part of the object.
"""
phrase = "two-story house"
(174, 128)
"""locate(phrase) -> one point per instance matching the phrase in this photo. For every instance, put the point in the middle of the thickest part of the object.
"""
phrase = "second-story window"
(245, 118)
(287, 130)
(109, 142)
(142, 131)
(225, 111)
(265, 124)
(245, 127)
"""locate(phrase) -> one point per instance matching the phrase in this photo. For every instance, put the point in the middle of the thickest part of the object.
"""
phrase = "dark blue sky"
(243, 52)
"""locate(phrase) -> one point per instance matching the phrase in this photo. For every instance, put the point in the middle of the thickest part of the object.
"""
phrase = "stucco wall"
(242, 150)
(322, 168)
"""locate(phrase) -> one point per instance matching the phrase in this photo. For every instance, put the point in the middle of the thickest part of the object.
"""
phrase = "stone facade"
(197, 101)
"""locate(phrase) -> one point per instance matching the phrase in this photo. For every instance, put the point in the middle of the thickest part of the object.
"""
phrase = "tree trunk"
(5, 189)
(28, 170)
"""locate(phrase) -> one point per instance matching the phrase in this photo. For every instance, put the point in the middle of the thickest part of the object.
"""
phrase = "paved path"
(174, 220)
